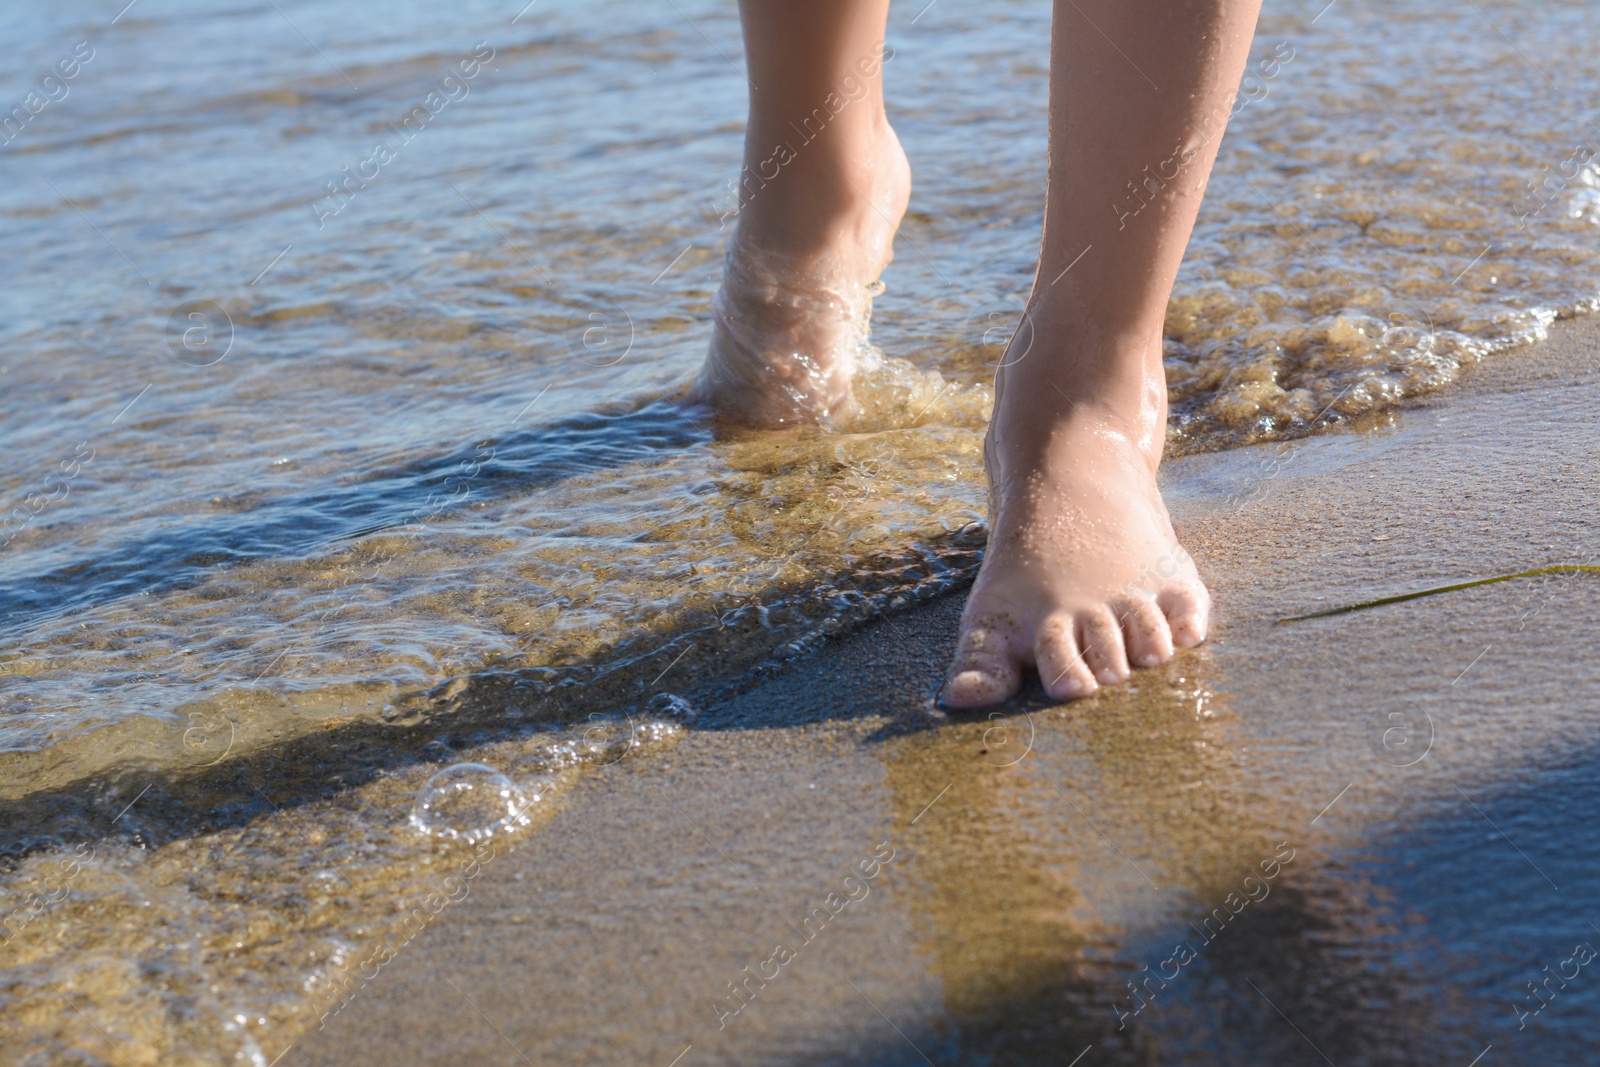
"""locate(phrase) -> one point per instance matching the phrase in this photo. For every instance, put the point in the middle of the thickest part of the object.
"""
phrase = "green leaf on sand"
(1564, 568)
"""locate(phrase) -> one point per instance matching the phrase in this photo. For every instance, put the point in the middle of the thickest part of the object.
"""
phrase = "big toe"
(985, 671)
(976, 687)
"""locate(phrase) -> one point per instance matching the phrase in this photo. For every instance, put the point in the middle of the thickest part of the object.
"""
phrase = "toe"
(980, 682)
(1188, 611)
(1061, 666)
(1144, 629)
(1100, 638)
(985, 670)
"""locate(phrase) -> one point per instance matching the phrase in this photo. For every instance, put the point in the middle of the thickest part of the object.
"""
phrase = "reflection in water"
(1125, 887)
(1022, 902)
(996, 910)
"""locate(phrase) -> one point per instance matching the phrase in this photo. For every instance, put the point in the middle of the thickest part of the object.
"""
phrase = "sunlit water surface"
(421, 460)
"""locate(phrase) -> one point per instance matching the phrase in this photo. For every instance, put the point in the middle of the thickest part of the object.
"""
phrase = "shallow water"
(413, 469)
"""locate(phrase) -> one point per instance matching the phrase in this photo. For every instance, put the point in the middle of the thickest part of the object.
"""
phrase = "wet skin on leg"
(822, 190)
(1083, 576)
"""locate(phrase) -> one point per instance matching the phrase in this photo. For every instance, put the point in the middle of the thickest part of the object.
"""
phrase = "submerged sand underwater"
(412, 504)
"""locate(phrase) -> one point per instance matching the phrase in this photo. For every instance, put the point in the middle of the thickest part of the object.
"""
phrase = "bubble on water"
(557, 755)
(671, 708)
(472, 801)
(655, 733)
(605, 741)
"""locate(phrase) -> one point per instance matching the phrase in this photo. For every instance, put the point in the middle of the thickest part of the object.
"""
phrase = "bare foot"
(1083, 574)
(797, 288)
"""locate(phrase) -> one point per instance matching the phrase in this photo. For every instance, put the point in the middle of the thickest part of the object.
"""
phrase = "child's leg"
(1083, 573)
(822, 190)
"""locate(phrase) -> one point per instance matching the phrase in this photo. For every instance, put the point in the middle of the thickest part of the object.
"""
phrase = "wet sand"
(1369, 832)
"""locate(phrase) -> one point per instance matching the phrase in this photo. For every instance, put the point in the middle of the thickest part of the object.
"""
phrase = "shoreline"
(1046, 850)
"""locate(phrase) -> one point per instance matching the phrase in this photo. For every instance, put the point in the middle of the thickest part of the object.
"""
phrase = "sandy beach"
(394, 670)
(1420, 772)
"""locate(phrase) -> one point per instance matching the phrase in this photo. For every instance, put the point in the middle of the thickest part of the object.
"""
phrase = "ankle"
(1075, 386)
(1060, 377)
(805, 196)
